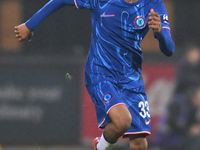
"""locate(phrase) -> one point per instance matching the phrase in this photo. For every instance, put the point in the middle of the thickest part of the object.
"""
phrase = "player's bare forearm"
(154, 21)
(22, 32)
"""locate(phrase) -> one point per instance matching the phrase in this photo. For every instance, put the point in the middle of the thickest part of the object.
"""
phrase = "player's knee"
(121, 118)
(123, 123)
(139, 145)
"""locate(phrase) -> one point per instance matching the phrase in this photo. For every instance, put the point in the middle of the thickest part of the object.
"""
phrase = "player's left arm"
(163, 35)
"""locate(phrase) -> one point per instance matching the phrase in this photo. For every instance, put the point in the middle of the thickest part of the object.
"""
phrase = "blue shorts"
(107, 95)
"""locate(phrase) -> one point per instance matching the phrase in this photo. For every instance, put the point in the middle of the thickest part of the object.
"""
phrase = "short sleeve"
(89, 4)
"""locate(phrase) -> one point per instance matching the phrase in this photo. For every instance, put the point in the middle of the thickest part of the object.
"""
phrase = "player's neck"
(131, 1)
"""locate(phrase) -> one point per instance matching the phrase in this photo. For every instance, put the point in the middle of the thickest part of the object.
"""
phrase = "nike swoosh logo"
(147, 122)
(105, 15)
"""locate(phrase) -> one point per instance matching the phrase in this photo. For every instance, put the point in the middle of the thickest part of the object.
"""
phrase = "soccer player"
(113, 69)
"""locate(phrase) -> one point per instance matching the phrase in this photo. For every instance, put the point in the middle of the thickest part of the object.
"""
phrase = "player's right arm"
(25, 30)
(22, 32)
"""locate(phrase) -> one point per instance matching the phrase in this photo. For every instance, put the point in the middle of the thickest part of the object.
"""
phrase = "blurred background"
(41, 109)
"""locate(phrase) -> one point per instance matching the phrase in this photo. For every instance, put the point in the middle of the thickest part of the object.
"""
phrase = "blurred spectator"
(188, 73)
(184, 120)
(184, 110)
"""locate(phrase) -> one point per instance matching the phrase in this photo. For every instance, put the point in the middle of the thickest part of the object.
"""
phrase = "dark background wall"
(38, 104)
(187, 20)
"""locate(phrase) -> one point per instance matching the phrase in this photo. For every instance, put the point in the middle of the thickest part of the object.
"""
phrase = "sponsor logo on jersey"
(140, 22)
(165, 19)
(107, 97)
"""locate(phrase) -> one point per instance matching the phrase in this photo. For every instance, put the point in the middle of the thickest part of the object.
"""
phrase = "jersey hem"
(114, 106)
(76, 4)
(133, 133)
(108, 112)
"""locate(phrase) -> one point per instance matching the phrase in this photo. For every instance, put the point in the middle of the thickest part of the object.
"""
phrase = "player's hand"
(154, 21)
(22, 32)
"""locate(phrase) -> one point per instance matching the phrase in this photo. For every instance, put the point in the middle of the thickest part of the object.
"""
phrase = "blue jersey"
(118, 28)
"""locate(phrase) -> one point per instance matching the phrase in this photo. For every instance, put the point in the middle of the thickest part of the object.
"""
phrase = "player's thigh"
(138, 141)
(108, 102)
(120, 115)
